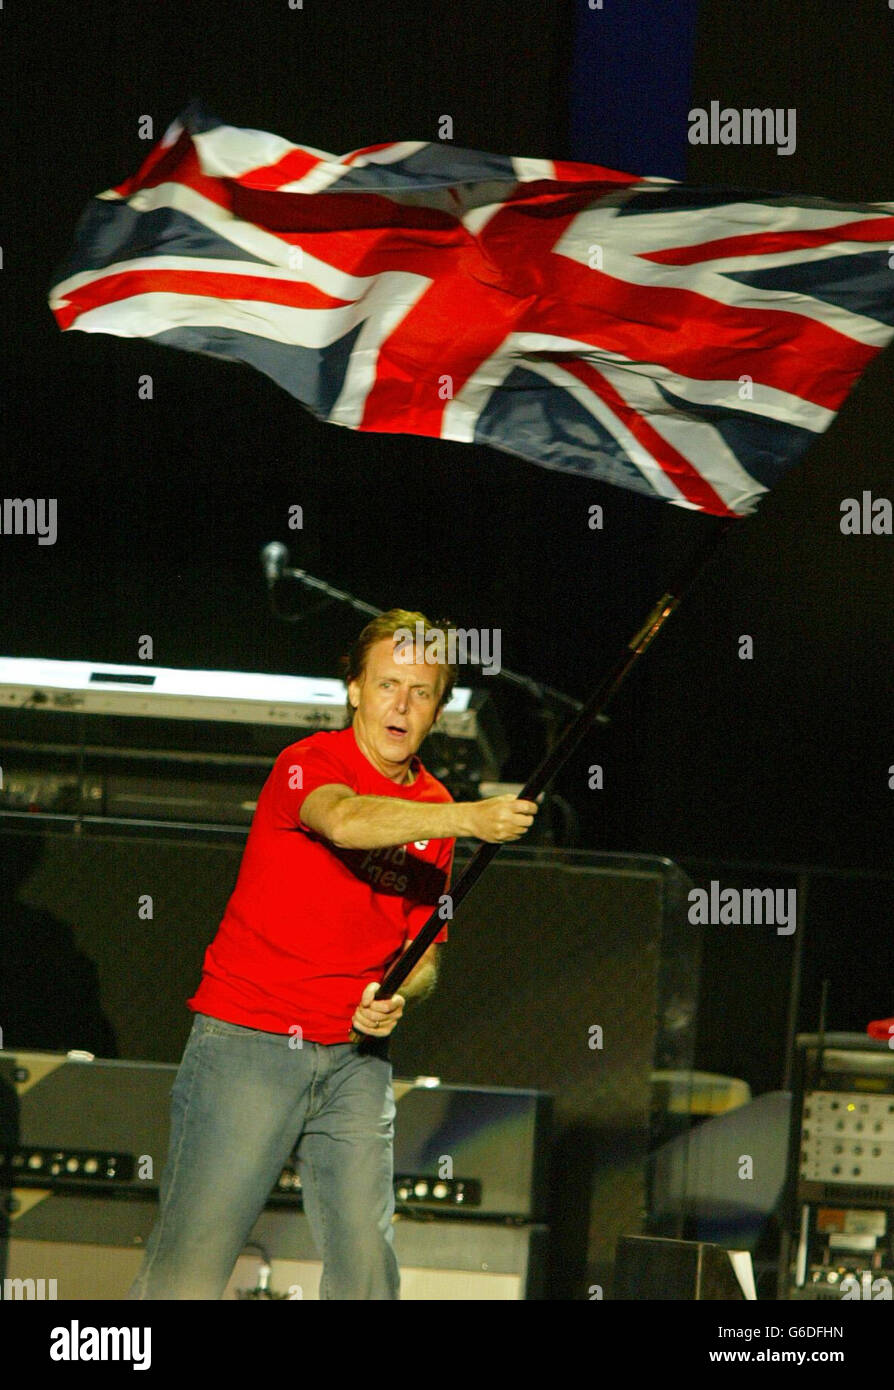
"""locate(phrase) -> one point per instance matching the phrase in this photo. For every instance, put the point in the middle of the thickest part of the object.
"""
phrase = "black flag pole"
(561, 750)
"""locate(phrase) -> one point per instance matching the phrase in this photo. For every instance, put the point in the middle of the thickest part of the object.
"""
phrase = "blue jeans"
(241, 1102)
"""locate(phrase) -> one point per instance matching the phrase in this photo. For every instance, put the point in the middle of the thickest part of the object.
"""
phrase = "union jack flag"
(688, 343)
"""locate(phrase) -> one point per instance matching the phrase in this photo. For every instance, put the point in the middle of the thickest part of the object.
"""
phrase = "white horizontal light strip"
(35, 673)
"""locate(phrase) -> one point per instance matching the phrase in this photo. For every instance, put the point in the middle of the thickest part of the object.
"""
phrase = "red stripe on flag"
(181, 165)
(292, 167)
(125, 284)
(335, 213)
(434, 341)
(681, 329)
(697, 337)
(772, 243)
(157, 165)
(692, 485)
(567, 171)
(367, 149)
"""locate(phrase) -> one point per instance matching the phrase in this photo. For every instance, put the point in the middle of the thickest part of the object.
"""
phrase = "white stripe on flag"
(389, 300)
(197, 265)
(329, 171)
(633, 382)
(766, 400)
(171, 135)
(390, 154)
(272, 250)
(146, 315)
(694, 439)
(229, 151)
(602, 227)
(529, 170)
(462, 414)
(693, 226)
(636, 452)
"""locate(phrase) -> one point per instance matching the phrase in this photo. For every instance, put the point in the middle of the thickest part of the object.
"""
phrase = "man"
(351, 845)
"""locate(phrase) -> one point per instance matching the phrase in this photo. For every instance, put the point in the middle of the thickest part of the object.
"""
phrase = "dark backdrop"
(163, 505)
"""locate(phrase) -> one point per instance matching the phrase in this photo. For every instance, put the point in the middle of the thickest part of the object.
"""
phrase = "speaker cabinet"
(566, 972)
(439, 1260)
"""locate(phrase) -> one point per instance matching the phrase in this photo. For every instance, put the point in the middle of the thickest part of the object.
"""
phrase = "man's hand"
(377, 1018)
(500, 818)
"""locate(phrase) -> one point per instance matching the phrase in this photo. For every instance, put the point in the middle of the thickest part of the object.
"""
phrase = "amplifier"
(439, 1260)
(87, 1127)
(605, 939)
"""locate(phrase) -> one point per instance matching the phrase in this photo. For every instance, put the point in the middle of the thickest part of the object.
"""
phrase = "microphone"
(273, 558)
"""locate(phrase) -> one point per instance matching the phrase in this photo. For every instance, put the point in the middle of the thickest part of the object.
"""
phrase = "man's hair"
(385, 625)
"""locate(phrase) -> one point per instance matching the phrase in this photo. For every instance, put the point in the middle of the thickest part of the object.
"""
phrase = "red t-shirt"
(308, 925)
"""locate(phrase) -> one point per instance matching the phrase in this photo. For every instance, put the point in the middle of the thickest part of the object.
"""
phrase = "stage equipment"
(156, 743)
(80, 1125)
(83, 1143)
(583, 966)
(838, 1239)
(439, 1260)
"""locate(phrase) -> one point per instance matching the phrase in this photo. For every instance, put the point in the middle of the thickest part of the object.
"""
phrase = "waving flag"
(689, 343)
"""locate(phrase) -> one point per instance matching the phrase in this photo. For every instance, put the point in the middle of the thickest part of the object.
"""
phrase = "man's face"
(396, 704)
